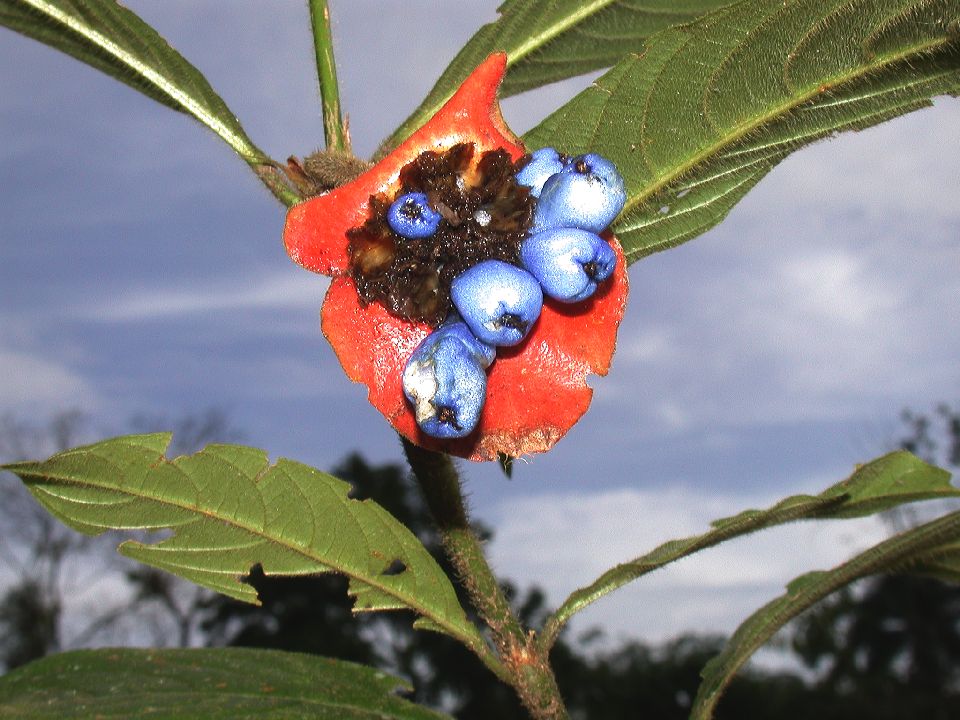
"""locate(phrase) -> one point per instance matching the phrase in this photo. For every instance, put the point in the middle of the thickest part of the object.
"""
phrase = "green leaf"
(550, 40)
(808, 589)
(107, 36)
(229, 509)
(891, 480)
(709, 108)
(221, 684)
(944, 564)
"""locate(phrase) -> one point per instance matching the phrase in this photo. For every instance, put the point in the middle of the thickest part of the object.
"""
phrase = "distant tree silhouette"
(29, 624)
(892, 650)
(312, 614)
(42, 560)
(36, 547)
(892, 654)
(889, 652)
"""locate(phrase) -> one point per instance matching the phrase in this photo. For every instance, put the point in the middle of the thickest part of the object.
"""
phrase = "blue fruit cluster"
(497, 303)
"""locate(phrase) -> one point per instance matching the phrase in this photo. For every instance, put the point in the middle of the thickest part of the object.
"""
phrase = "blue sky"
(141, 271)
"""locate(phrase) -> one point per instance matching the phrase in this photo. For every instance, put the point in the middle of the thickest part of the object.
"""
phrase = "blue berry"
(568, 263)
(445, 383)
(588, 194)
(411, 216)
(455, 327)
(498, 301)
(543, 163)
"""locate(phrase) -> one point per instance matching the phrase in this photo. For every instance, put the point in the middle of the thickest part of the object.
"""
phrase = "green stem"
(334, 130)
(272, 176)
(528, 667)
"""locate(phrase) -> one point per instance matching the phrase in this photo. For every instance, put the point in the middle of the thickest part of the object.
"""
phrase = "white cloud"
(36, 384)
(821, 298)
(894, 169)
(650, 344)
(272, 378)
(295, 290)
(564, 541)
(836, 288)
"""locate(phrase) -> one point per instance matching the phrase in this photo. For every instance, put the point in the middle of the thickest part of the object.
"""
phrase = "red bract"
(537, 390)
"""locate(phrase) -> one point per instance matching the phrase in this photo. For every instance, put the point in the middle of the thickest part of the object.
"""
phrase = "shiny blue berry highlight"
(568, 263)
(587, 194)
(543, 163)
(411, 216)
(445, 382)
(498, 301)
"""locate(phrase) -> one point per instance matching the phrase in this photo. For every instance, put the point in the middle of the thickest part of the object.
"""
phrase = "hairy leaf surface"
(806, 590)
(707, 109)
(221, 684)
(550, 40)
(229, 509)
(891, 480)
(107, 36)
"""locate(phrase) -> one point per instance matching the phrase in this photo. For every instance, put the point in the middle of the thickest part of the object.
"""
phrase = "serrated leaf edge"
(468, 634)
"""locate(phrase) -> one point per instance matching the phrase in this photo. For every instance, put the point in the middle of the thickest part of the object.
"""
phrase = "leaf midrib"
(558, 28)
(186, 694)
(738, 132)
(198, 110)
(233, 522)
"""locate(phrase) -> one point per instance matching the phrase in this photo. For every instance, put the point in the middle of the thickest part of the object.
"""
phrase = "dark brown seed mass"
(486, 215)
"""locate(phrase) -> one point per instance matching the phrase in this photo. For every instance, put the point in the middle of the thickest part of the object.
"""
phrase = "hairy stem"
(335, 131)
(528, 667)
(271, 175)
